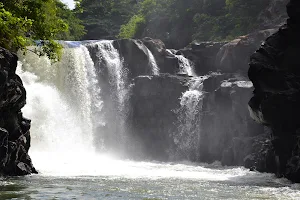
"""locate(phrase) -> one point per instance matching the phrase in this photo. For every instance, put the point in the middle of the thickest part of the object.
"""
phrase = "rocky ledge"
(275, 73)
(14, 128)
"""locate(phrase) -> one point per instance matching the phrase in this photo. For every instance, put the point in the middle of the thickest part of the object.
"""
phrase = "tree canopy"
(178, 22)
(41, 22)
(103, 18)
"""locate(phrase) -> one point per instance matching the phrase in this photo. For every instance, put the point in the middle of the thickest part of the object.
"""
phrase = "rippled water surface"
(115, 179)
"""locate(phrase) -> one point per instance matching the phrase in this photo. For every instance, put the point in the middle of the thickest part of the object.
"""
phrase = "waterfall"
(117, 72)
(152, 63)
(185, 65)
(187, 138)
(78, 105)
(110, 66)
(62, 99)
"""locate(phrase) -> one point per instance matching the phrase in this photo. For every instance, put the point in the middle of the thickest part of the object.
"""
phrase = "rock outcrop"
(153, 100)
(227, 131)
(14, 128)
(233, 57)
(274, 71)
(203, 55)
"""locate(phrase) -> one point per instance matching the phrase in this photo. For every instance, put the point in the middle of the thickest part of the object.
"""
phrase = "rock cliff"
(14, 128)
(274, 71)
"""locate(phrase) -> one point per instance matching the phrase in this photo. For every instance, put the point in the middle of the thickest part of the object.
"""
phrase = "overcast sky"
(70, 3)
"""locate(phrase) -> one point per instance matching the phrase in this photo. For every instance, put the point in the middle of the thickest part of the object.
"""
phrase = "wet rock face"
(227, 131)
(167, 63)
(152, 117)
(274, 71)
(135, 55)
(14, 128)
(203, 55)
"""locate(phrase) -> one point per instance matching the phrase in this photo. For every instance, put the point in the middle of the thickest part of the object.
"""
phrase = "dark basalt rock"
(152, 117)
(233, 57)
(203, 55)
(14, 128)
(274, 71)
(167, 62)
(135, 55)
(227, 131)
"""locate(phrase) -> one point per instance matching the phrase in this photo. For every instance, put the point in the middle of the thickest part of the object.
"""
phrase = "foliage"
(75, 27)
(130, 29)
(178, 22)
(103, 19)
(25, 22)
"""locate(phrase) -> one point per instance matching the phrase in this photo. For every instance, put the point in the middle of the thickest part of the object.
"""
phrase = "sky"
(70, 3)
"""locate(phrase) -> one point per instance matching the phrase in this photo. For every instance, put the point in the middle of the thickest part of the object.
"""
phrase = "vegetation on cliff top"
(103, 19)
(26, 22)
(176, 22)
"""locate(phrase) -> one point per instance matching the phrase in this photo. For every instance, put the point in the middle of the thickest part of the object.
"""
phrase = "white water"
(185, 65)
(59, 102)
(152, 63)
(117, 72)
(188, 138)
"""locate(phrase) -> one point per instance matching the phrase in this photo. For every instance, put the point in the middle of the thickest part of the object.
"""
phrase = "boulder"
(274, 71)
(166, 61)
(203, 55)
(234, 56)
(136, 57)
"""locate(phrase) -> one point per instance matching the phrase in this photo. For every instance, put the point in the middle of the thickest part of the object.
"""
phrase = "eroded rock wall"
(14, 128)
(274, 71)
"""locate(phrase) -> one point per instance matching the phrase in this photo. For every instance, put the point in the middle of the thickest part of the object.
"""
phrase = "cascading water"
(152, 62)
(185, 65)
(187, 139)
(60, 105)
(117, 73)
(109, 60)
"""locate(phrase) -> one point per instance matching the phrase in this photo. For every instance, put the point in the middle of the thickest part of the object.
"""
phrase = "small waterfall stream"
(117, 72)
(152, 62)
(187, 139)
(111, 66)
(185, 65)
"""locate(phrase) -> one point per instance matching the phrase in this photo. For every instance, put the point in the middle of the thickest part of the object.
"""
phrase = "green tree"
(178, 22)
(103, 18)
(25, 22)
